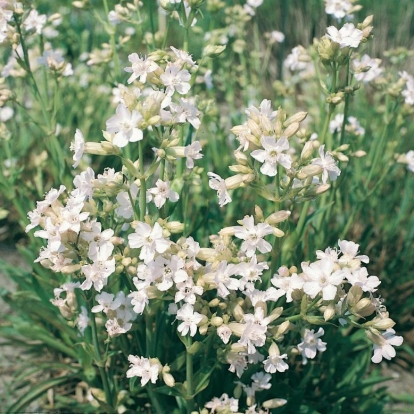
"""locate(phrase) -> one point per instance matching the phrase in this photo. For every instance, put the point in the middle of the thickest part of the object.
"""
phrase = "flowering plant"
(167, 302)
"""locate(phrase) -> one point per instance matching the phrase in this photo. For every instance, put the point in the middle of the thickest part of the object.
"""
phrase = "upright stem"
(189, 378)
(143, 189)
(149, 5)
(99, 362)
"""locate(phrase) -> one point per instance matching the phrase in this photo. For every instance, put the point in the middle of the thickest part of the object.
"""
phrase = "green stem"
(151, 16)
(189, 378)
(99, 362)
(143, 189)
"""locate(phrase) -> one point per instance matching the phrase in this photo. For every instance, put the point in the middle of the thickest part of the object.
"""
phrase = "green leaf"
(404, 398)
(177, 391)
(203, 375)
(36, 391)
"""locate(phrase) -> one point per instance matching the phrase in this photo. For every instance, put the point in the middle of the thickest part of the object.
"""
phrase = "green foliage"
(370, 202)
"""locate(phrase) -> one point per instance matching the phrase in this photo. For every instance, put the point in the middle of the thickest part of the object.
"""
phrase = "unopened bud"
(213, 51)
(291, 130)
(168, 379)
(354, 295)
(298, 117)
(329, 312)
(216, 321)
(278, 217)
(359, 154)
(254, 128)
(274, 403)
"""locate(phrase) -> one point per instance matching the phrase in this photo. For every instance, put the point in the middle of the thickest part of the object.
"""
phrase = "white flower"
(336, 124)
(319, 278)
(237, 361)
(311, 343)
(338, 8)
(253, 335)
(187, 291)
(294, 61)
(287, 284)
(328, 164)
(223, 279)
(275, 36)
(265, 110)
(185, 111)
(366, 69)
(384, 349)
(106, 303)
(143, 367)
(275, 363)
(98, 272)
(272, 155)
(224, 332)
(78, 147)
(349, 251)
(150, 240)
(176, 80)
(189, 319)
(183, 57)
(261, 381)
(224, 404)
(140, 68)
(161, 192)
(409, 159)
(6, 113)
(255, 3)
(408, 92)
(253, 236)
(192, 152)
(125, 126)
(250, 272)
(139, 300)
(124, 199)
(84, 184)
(359, 277)
(35, 21)
(83, 320)
(348, 35)
(217, 183)
(355, 126)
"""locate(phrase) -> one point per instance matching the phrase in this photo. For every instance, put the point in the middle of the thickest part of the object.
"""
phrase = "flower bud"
(274, 403)
(362, 305)
(238, 313)
(214, 303)
(254, 128)
(309, 171)
(213, 51)
(241, 158)
(216, 321)
(291, 130)
(168, 379)
(382, 324)
(329, 312)
(359, 154)
(296, 118)
(175, 227)
(354, 295)
(282, 329)
(278, 217)
(239, 180)
(167, 5)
